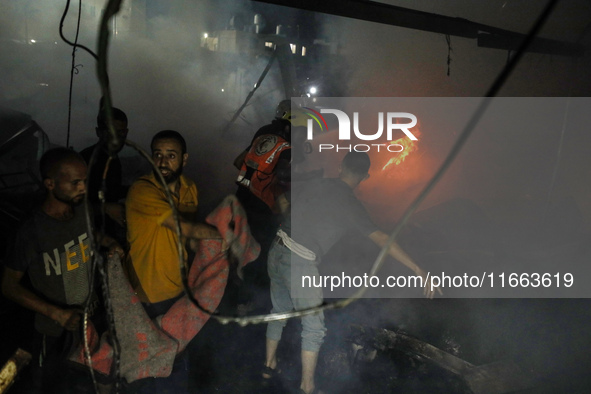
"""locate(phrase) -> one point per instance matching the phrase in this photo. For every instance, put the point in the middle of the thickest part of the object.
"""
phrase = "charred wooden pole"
(11, 369)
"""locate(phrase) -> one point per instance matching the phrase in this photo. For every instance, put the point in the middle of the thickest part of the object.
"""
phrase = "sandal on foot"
(270, 372)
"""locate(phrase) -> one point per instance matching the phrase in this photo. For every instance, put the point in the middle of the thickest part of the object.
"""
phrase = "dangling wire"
(449, 50)
(99, 264)
(563, 130)
(558, 157)
(114, 142)
(68, 41)
(74, 69)
(105, 282)
(95, 260)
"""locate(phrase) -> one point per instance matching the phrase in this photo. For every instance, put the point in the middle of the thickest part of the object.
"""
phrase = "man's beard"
(172, 175)
(69, 200)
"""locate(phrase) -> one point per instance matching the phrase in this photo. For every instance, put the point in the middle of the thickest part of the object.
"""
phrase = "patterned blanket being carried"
(148, 347)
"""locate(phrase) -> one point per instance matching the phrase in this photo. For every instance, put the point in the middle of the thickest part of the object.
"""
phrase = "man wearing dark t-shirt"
(53, 248)
(115, 191)
(325, 210)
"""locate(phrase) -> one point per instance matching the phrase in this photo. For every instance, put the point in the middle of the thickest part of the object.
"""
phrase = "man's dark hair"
(357, 163)
(52, 160)
(170, 134)
(101, 119)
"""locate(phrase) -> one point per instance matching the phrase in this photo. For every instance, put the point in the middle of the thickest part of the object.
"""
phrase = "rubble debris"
(498, 377)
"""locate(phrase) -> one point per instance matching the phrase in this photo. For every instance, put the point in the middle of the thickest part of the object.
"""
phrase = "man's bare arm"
(380, 238)
(191, 229)
(13, 290)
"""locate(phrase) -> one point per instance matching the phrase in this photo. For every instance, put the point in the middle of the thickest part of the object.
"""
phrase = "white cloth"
(295, 247)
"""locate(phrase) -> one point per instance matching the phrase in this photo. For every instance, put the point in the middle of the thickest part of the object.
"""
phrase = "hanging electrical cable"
(74, 69)
(95, 260)
(113, 145)
(563, 128)
(449, 50)
(558, 157)
(68, 41)
(101, 264)
(114, 142)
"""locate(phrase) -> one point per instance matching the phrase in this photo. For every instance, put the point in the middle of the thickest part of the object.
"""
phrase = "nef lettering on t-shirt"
(73, 254)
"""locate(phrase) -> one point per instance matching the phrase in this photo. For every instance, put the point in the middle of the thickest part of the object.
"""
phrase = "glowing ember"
(409, 146)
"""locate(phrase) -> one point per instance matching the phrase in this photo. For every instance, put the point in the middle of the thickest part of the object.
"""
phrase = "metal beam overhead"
(488, 36)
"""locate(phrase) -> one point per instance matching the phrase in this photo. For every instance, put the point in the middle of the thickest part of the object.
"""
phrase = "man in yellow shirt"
(153, 263)
(153, 256)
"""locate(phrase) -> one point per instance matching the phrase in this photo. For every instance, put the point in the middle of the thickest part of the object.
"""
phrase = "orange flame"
(408, 145)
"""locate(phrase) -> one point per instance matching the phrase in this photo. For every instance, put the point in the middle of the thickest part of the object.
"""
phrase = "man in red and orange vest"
(264, 175)
(263, 170)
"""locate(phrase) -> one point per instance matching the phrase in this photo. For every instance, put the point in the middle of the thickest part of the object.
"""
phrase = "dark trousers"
(50, 372)
(263, 225)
